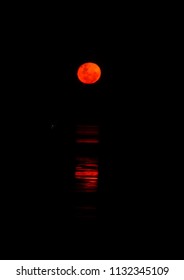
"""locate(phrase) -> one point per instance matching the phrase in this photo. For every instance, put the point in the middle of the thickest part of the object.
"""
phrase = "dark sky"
(52, 59)
(47, 49)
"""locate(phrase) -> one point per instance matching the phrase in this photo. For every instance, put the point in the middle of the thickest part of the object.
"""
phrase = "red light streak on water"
(87, 141)
(86, 174)
(87, 134)
(87, 130)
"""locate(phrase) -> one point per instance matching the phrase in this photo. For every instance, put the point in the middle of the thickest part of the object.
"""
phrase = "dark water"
(57, 185)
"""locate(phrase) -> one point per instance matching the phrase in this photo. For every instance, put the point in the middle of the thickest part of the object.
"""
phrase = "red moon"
(89, 73)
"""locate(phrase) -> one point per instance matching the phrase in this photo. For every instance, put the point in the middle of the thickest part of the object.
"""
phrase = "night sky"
(128, 107)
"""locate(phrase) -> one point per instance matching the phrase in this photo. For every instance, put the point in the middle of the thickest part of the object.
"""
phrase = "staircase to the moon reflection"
(86, 171)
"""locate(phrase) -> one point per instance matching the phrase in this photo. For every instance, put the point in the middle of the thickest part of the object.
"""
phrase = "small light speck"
(52, 125)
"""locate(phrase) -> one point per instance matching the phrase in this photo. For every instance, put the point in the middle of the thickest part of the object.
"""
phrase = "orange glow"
(89, 73)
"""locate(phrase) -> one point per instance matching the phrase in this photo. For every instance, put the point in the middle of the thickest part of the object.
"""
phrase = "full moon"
(89, 73)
